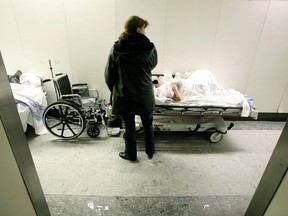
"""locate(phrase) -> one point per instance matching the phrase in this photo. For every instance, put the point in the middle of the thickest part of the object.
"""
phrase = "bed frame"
(194, 119)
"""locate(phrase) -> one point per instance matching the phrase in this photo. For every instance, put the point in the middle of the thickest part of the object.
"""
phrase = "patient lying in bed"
(167, 89)
(199, 88)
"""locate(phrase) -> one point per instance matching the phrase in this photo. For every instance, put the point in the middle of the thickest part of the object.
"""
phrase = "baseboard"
(262, 117)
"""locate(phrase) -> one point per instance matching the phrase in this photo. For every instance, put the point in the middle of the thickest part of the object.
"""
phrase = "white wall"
(243, 42)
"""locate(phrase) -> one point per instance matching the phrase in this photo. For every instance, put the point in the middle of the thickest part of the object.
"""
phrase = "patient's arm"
(177, 95)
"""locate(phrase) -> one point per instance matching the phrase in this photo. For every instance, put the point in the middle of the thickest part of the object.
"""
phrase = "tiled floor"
(188, 175)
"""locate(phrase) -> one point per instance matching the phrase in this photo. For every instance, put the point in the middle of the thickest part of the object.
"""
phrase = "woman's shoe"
(150, 156)
(123, 155)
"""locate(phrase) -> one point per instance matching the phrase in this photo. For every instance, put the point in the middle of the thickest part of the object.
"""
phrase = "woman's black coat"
(128, 75)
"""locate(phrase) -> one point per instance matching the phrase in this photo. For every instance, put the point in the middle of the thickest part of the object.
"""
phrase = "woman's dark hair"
(131, 26)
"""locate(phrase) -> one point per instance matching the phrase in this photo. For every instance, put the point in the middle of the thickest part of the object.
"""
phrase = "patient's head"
(156, 81)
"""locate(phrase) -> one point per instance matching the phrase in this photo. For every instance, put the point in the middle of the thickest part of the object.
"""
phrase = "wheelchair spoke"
(62, 131)
(70, 129)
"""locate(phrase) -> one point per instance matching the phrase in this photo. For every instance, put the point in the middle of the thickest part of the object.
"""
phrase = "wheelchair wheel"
(93, 131)
(64, 119)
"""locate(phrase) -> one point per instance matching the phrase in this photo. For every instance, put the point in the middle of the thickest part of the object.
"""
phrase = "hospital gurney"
(203, 107)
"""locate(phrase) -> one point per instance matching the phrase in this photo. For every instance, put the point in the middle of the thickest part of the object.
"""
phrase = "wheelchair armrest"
(80, 89)
(67, 96)
(75, 98)
(58, 74)
(70, 95)
(79, 84)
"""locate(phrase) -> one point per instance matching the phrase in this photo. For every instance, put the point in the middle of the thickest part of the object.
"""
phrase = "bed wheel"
(93, 131)
(215, 137)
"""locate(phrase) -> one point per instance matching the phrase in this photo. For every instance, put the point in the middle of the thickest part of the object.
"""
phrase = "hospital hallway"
(188, 175)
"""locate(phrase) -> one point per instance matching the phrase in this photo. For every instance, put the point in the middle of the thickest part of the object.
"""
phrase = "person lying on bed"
(167, 89)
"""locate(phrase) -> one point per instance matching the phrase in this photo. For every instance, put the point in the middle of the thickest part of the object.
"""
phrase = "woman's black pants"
(130, 134)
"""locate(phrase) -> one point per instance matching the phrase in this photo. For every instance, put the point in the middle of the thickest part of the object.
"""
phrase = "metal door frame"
(272, 177)
(19, 145)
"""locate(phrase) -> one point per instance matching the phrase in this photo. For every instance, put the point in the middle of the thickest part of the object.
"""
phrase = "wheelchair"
(77, 108)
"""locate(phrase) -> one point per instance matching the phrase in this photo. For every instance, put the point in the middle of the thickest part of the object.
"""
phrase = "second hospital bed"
(203, 107)
(30, 99)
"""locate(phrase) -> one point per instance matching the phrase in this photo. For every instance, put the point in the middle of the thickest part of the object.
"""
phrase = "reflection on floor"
(188, 175)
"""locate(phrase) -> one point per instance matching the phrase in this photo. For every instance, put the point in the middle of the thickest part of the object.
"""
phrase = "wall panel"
(269, 77)
(41, 26)
(91, 30)
(10, 41)
(190, 34)
(238, 33)
(283, 108)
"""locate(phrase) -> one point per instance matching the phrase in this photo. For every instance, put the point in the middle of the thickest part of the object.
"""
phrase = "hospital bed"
(30, 100)
(203, 107)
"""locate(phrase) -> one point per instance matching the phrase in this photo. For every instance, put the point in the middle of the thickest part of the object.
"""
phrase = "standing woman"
(128, 76)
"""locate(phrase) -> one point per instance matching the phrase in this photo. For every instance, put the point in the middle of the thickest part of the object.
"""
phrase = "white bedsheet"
(200, 88)
(31, 103)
